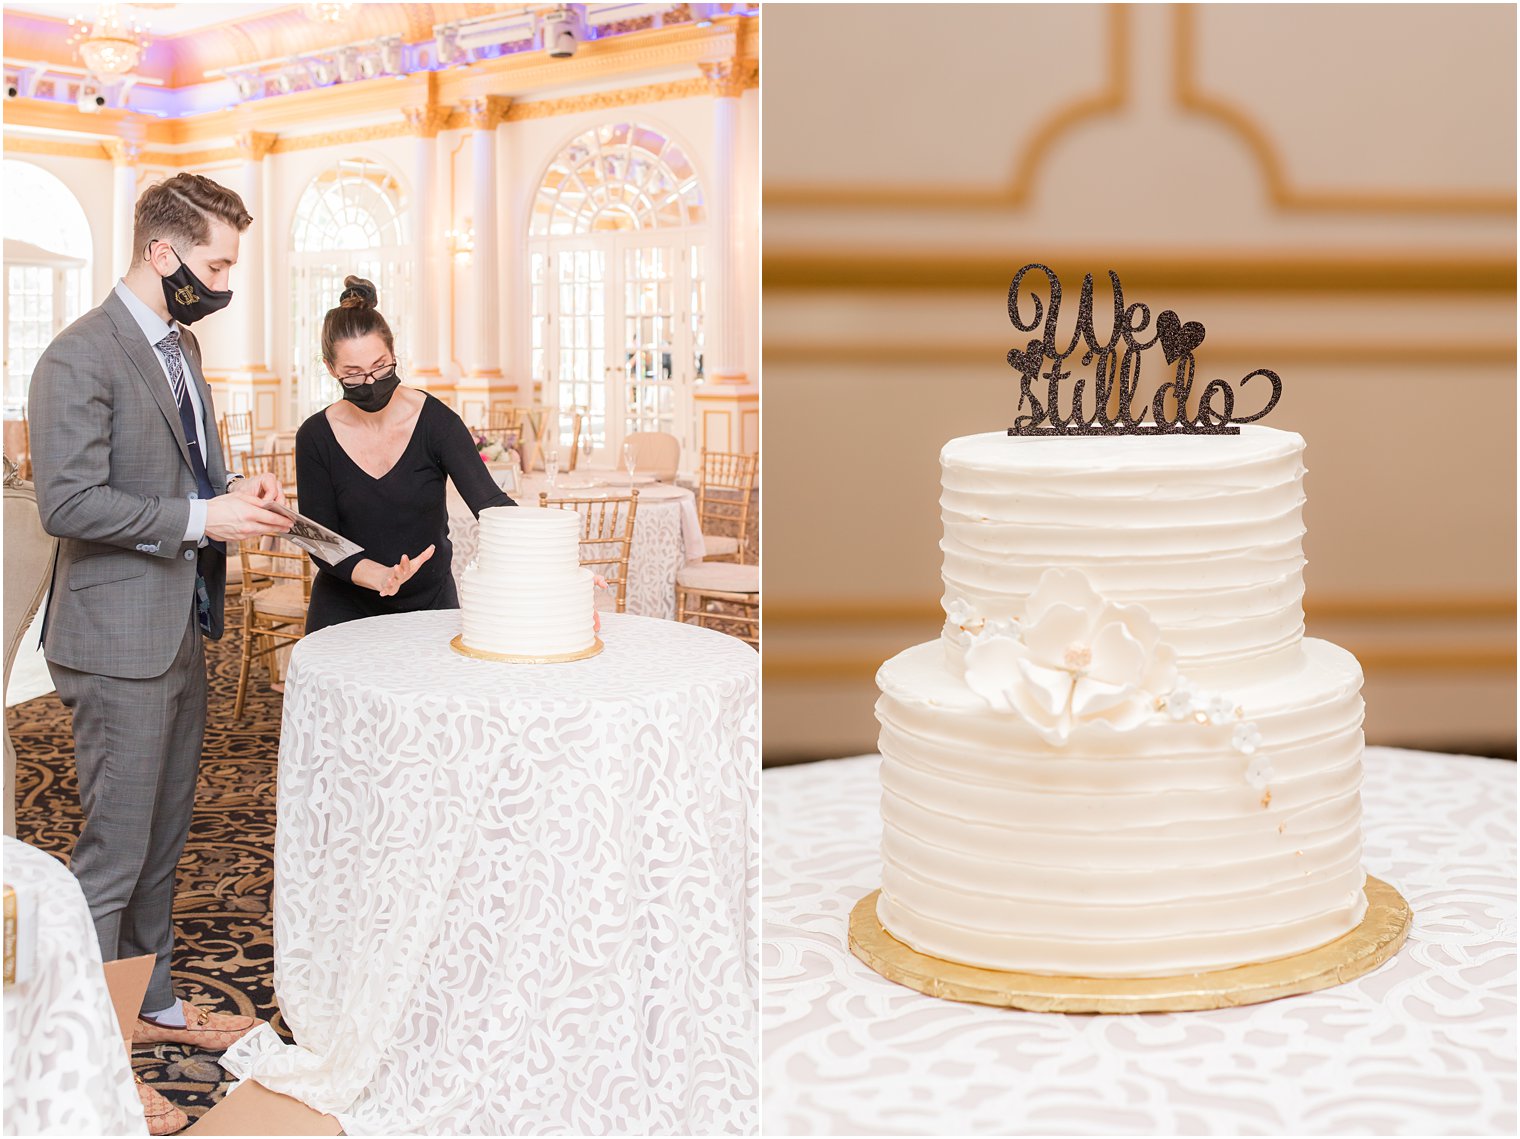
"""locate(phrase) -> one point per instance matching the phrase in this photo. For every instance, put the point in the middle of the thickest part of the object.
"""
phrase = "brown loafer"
(162, 1116)
(209, 1031)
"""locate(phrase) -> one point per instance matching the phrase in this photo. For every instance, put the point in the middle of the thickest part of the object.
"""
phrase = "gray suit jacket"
(114, 484)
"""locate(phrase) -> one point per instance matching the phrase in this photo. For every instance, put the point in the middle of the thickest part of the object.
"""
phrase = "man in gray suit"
(131, 477)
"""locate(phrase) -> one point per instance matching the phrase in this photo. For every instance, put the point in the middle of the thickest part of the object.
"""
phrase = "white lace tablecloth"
(66, 1071)
(516, 899)
(666, 535)
(1424, 1045)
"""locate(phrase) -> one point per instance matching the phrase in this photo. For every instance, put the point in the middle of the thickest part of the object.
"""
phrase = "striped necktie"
(175, 360)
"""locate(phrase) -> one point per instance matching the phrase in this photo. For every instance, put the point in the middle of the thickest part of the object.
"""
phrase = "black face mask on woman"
(188, 299)
(374, 395)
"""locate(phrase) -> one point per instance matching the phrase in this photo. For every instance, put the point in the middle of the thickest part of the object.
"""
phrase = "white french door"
(617, 330)
(316, 284)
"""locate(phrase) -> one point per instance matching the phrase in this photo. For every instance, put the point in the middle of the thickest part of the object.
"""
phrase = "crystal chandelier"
(110, 46)
(334, 12)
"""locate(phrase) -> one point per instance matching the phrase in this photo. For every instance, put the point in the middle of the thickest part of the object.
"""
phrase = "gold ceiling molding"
(1110, 100)
(516, 76)
(730, 78)
(122, 152)
(482, 113)
(191, 159)
(252, 146)
(1146, 272)
(427, 117)
(426, 122)
(284, 145)
(270, 144)
(603, 100)
(1349, 354)
(1283, 194)
(56, 149)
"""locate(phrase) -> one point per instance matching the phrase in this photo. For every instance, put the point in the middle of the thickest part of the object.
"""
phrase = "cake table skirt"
(516, 899)
(66, 1071)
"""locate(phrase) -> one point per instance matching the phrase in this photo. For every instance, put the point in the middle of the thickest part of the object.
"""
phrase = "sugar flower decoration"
(1080, 660)
(1247, 738)
(960, 614)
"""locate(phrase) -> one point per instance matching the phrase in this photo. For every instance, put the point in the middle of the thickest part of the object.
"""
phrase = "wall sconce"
(462, 242)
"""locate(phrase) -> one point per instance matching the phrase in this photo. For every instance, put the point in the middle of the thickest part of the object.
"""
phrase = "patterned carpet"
(224, 945)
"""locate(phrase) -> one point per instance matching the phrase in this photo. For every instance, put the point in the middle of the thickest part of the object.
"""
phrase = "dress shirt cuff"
(195, 529)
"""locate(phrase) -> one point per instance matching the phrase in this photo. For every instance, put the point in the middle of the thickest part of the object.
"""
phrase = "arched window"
(615, 282)
(350, 218)
(47, 269)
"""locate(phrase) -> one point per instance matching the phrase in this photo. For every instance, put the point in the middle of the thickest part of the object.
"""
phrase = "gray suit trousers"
(137, 747)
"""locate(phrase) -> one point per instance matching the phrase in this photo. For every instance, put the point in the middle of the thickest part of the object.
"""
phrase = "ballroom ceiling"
(166, 19)
(190, 40)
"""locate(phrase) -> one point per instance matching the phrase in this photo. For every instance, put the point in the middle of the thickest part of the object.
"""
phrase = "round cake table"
(516, 899)
(66, 1071)
(1424, 1045)
(666, 533)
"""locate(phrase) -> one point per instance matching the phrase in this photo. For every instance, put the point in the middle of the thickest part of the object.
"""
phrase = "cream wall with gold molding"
(1209, 155)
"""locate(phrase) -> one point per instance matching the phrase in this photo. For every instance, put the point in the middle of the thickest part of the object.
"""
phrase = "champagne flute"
(551, 466)
(630, 458)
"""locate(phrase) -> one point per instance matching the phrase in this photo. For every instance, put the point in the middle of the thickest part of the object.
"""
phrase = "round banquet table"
(1424, 1045)
(666, 533)
(516, 899)
(66, 1071)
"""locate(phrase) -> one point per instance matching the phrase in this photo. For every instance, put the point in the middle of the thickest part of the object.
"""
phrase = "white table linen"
(66, 1070)
(516, 899)
(1424, 1045)
(666, 533)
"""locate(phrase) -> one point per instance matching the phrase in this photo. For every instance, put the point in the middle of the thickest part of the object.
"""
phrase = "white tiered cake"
(1122, 758)
(526, 594)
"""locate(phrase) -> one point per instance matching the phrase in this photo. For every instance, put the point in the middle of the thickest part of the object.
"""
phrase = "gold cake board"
(458, 645)
(1374, 941)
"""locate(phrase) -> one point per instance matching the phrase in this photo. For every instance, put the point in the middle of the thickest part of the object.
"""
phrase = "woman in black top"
(374, 467)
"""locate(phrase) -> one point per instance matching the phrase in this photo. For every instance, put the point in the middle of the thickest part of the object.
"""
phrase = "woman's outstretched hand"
(386, 580)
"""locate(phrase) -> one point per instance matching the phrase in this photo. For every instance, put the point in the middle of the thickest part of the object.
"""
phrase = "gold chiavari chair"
(606, 525)
(282, 463)
(577, 421)
(504, 417)
(275, 614)
(704, 588)
(723, 496)
(24, 463)
(236, 430)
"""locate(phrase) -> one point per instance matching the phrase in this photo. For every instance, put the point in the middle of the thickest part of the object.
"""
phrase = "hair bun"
(358, 293)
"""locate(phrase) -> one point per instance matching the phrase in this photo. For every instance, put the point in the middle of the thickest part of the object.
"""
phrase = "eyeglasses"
(384, 372)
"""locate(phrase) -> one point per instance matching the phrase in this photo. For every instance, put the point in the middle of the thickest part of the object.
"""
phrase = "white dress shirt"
(155, 328)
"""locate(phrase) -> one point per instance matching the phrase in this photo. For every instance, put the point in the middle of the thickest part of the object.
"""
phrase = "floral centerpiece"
(494, 448)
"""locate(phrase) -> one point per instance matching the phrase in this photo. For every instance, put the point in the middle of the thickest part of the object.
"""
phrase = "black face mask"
(187, 298)
(374, 395)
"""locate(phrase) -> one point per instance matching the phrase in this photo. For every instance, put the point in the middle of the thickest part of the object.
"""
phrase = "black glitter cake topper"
(1117, 377)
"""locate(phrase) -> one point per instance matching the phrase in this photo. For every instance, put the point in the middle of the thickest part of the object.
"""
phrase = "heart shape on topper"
(1177, 339)
(1027, 362)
